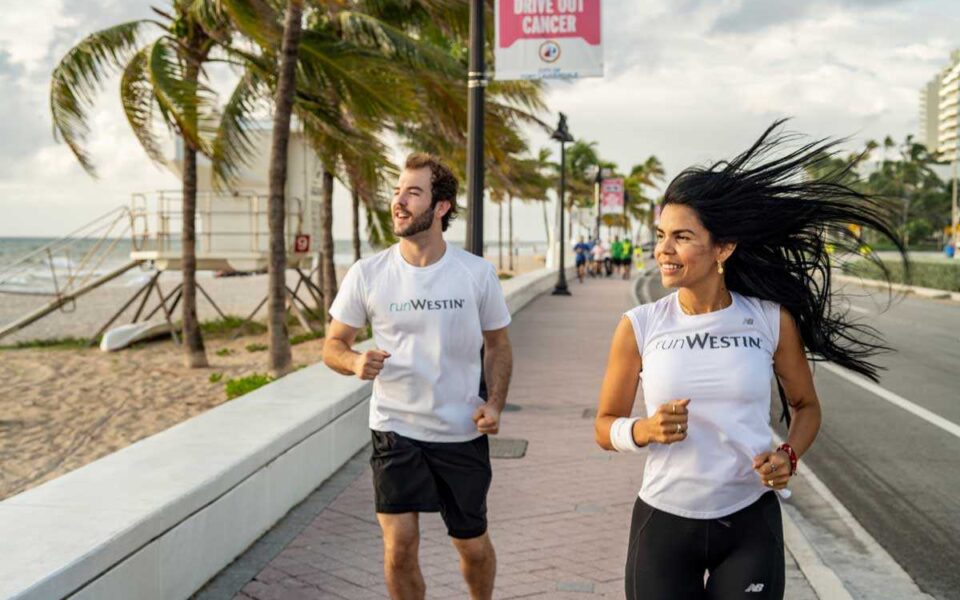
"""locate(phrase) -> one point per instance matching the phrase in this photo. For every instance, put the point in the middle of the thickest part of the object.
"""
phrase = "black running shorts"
(452, 478)
(743, 552)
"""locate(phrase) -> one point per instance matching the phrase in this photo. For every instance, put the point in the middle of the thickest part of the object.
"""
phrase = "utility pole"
(563, 136)
(476, 81)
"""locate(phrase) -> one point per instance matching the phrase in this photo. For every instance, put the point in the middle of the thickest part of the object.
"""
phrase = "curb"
(825, 582)
(922, 292)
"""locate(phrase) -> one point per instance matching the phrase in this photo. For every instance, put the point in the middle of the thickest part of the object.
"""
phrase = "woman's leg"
(746, 553)
(665, 558)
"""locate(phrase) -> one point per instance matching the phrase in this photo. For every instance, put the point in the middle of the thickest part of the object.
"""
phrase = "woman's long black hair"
(780, 217)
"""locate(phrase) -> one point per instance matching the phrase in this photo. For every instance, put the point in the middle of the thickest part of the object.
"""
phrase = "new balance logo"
(748, 321)
(754, 587)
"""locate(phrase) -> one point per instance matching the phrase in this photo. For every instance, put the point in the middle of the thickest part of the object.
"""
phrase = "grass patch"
(216, 377)
(504, 276)
(256, 347)
(224, 352)
(305, 337)
(64, 343)
(365, 334)
(230, 325)
(939, 276)
(243, 385)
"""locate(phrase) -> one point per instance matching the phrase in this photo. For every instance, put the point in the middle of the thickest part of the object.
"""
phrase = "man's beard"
(417, 224)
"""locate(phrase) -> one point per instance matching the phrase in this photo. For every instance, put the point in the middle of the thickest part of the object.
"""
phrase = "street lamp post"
(476, 80)
(563, 136)
(596, 194)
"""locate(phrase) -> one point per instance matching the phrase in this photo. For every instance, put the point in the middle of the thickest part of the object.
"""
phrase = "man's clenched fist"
(487, 419)
(369, 364)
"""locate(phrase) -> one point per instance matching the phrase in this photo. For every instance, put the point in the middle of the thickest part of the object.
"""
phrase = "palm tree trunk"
(196, 356)
(356, 225)
(500, 234)
(280, 355)
(328, 271)
(510, 229)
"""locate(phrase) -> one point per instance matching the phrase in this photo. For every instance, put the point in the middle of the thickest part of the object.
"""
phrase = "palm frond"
(257, 20)
(79, 76)
(233, 145)
(186, 106)
(373, 34)
(331, 67)
(139, 103)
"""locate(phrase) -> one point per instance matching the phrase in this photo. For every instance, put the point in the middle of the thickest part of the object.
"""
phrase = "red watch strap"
(793, 456)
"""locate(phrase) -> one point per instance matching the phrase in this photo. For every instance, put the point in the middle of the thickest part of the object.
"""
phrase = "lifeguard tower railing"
(232, 234)
(232, 230)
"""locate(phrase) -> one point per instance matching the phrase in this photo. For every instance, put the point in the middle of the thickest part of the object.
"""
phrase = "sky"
(689, 81)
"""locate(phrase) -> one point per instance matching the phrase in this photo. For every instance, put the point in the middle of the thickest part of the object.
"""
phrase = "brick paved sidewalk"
(559, 517)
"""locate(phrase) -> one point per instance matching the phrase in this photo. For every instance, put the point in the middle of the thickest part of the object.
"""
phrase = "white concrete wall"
(159, 518)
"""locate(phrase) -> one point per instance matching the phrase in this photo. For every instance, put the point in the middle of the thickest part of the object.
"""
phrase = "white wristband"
(621, 435)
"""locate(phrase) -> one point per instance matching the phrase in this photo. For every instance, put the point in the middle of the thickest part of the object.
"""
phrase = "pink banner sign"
(611, 196)
(548, 19)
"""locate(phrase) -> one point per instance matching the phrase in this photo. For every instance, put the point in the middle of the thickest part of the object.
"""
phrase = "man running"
(598, 252)
(616, 254)
(582, 249)
(431, 307)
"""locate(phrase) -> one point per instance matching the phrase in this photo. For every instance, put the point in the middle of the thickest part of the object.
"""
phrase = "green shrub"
(365, 334)
(215, 377)
(231, 324)
(64, 343)
(242, 385)
(305, 337)
(940, 276)
(256, 347)
(224, 352)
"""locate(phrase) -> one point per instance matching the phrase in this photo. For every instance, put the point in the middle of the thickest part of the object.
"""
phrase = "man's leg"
(478, 563)
(401, 563)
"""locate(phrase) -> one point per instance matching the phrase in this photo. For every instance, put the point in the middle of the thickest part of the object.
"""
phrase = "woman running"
(743, 244)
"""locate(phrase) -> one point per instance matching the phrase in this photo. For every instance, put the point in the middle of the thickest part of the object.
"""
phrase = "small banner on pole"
(611, 197)
(548, 39)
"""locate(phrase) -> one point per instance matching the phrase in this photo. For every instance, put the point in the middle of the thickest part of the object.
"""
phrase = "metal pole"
(475, 84)
(561, 288)
(596, 195)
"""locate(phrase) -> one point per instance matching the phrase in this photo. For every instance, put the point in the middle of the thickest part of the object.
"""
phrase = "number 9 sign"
(301, 243)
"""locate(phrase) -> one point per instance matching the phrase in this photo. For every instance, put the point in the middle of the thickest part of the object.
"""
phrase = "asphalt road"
(897, 474)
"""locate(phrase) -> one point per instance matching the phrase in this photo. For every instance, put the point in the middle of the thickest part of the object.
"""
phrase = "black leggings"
(743, 552)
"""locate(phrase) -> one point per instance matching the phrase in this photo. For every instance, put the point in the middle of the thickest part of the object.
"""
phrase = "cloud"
(688, 80)
(756, 15)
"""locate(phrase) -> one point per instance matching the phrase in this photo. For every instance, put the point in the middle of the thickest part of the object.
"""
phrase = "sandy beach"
(61, 408)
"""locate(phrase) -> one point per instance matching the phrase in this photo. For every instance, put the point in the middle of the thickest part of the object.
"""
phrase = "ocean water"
(42, 264)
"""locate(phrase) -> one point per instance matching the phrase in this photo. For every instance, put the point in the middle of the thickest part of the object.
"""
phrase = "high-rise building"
(930, 114)
(949, 110)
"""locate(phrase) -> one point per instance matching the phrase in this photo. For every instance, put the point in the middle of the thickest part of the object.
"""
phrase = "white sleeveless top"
(723, 362)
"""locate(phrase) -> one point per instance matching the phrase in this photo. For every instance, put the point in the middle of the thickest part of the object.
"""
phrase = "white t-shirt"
(723, 362)
(430, 319)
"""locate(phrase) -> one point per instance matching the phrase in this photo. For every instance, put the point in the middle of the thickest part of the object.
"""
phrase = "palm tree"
(162, 77)
(280, 355)
(347, 84)
(644, 175)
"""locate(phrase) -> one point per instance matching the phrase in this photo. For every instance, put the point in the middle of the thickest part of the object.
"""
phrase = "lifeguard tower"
(232, 236)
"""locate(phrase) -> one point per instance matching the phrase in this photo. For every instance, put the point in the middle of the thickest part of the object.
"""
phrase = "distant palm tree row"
(352, 72)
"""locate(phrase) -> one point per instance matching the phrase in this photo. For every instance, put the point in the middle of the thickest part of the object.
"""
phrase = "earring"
(719, 267)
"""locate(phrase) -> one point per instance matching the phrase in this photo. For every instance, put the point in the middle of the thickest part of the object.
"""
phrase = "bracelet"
(790, 453)
(621, 435)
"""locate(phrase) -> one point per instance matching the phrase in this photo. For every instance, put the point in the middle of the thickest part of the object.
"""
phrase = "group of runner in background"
(598, 259)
